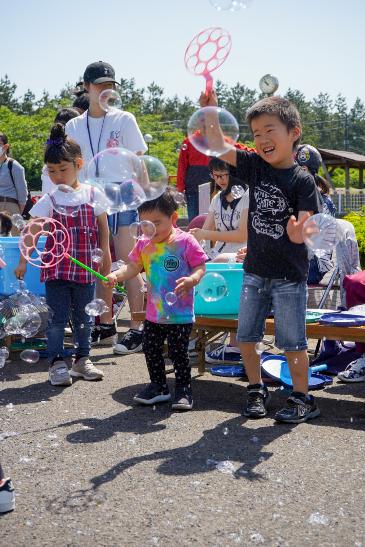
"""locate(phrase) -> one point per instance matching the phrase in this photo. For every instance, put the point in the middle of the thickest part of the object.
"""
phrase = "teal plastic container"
(229, 304)
(11, 255)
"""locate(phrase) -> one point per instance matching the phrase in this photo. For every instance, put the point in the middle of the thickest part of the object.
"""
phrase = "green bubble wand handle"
(93, 272)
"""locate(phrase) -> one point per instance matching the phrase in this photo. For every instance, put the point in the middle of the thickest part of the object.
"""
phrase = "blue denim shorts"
(117, 220)
(288, 299)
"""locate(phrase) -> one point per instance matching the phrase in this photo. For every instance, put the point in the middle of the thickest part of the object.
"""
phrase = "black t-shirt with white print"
(275, 195)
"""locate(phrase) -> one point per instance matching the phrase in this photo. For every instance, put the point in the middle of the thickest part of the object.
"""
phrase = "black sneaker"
(298, 409)
(183, 399)
(130, 342)
(258, 398)
(153, 393)
(104, 335)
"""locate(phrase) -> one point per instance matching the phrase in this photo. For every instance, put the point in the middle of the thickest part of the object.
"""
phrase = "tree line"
(327, 122)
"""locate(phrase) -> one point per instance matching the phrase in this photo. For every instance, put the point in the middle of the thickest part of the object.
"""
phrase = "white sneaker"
(58, 374)
(355, 371)
(84, 368)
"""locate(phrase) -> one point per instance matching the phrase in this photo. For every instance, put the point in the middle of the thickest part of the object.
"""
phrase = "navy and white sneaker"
(183, 399)
(299, 408)
(224, 354)
(152, 394)
(355, 371)
(7, 496)
(130, 342)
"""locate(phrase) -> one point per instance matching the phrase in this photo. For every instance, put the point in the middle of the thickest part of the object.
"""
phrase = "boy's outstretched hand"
(209, 99)
(294, 228)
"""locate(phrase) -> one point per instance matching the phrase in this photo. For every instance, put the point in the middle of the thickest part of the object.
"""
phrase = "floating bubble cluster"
(96, 307)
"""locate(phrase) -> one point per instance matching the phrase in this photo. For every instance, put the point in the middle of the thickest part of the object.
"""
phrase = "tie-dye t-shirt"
(164, 263)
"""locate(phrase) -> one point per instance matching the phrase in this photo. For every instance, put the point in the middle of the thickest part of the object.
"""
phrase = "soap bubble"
(154, 178)
(231, 261)
(170, 298)
(26, 322)
(320, 233)
(117, 173)
(110, 100)
(217, 121)
(184, 147)
(229, 5)
(179, 197)
(142, 230)
(97, 256)
(96, 307)
(212, 287)
(65, 200)
(30, 356)
(259, 348)
(237, 191)
(18, 221)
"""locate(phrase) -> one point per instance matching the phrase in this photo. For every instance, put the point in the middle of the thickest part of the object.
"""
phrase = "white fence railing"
(348, 202)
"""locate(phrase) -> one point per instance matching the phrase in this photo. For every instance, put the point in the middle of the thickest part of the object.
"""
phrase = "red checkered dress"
(83, 232)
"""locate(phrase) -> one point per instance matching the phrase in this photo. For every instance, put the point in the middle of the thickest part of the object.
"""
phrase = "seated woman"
(226, 223)
(226, 226)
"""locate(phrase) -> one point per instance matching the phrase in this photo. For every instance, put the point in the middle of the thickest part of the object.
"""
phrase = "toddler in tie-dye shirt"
(173, 262)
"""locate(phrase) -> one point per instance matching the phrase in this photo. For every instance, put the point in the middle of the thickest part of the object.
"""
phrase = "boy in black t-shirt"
(282, 197)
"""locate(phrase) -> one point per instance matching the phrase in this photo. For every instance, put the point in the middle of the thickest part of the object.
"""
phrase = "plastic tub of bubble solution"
(11, 255)
(229, 304)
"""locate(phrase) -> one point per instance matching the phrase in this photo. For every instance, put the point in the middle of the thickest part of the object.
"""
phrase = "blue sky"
(315, 45)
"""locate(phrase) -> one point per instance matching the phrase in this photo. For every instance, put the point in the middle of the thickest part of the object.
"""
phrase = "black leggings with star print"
(154, 336)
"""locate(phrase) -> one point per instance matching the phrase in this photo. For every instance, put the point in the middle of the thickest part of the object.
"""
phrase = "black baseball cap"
(99, 73)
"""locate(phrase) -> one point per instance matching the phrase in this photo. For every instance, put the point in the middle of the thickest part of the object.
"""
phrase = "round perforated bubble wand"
(58, 240)
(206, 52)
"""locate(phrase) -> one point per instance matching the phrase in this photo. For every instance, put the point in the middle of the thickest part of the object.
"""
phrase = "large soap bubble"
(212, 287)
(125, 179)
(116, 173)
(154, 177)
(206, 128)
(320, 233)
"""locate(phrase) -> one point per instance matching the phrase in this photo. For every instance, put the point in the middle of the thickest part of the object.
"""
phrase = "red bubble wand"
(206, 52)
(58, 240)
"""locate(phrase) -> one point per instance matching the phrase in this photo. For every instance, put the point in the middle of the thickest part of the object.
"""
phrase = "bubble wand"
(60, 243)
(206, 52)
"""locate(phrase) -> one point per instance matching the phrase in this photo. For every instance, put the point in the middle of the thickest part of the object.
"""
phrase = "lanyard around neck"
(91, 142)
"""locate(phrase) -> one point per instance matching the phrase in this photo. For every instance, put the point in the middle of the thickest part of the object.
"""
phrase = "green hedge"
(358, 220)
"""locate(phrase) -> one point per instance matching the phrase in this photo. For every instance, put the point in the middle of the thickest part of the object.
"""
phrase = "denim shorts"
(288, 299)
(117, 220)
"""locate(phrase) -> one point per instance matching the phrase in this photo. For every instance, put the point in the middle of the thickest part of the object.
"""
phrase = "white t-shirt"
(44, 207)
(226, 220)
(120, 129)
(47, 184)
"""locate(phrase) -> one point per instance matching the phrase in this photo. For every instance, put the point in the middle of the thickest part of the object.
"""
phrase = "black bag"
(29, 203)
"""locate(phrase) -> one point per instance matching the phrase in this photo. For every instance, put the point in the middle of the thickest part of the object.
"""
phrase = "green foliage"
(358, 221)
(326, 123)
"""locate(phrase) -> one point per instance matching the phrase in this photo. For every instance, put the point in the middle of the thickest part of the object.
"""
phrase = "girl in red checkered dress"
(70, 288)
